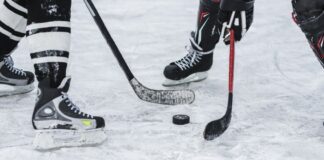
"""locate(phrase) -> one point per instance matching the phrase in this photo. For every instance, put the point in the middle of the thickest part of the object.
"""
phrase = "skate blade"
(55, 139)
(196, 77)
(8, 90)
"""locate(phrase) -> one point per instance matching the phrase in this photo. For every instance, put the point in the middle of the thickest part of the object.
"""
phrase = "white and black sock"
(13, 20)
(48, 34)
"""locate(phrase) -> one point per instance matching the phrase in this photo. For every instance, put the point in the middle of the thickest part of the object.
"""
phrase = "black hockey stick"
(169, 97)
(216, 128)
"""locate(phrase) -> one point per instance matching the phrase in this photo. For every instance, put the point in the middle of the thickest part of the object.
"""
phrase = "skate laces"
(191, 59)
(10, 64)
(73, 107)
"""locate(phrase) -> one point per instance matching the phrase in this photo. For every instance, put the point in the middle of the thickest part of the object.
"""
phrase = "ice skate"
(13, 80)
(191, 68)
(60, 123)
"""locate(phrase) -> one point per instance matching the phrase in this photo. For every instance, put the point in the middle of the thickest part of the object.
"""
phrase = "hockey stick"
(169, 97)
(216, 128)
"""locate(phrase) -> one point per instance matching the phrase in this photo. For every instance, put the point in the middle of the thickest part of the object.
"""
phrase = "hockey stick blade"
(216, 128)
(168, 97)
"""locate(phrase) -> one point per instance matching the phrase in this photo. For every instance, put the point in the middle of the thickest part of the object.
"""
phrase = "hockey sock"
(13, 20)
(48, 35)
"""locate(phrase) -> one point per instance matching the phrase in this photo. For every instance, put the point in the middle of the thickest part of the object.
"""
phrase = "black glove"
(239, 20)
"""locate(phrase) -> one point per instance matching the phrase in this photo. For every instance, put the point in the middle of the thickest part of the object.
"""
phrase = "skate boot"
(12, 80)
(191, 68)
(60, 123)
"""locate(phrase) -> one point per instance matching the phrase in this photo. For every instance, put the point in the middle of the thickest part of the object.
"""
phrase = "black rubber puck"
(180, 119)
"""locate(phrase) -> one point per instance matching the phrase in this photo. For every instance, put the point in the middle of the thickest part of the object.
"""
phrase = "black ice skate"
(12, 80)
(191, 68)
(60, 123)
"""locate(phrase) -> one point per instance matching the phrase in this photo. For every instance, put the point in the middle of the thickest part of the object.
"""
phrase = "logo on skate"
(203, 15)
(87, 123)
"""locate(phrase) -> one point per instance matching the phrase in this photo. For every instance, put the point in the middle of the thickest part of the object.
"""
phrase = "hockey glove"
(239, 21)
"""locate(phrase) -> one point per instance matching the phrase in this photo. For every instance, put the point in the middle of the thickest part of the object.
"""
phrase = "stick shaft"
(231, 62)
(109, 39)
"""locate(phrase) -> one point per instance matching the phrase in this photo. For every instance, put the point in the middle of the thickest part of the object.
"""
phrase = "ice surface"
(277, 99)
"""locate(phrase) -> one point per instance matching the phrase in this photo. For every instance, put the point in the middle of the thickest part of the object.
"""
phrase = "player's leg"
(13, 20)
(309, 15)
(194, 66)
(58, 121)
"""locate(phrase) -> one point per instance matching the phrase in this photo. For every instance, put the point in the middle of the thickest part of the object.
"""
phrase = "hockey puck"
(180, 119)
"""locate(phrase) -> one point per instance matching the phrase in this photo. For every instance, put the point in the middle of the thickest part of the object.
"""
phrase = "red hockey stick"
(216, 128)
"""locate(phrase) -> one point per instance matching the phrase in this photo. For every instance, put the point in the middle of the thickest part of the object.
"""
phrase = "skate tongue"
(193, 42)
(9, 60)
(65, 84)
